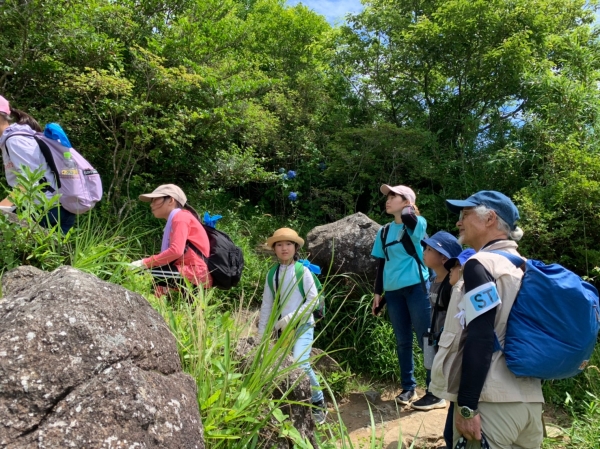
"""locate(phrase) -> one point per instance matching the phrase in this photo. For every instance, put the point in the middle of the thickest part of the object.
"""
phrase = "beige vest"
(500, 385)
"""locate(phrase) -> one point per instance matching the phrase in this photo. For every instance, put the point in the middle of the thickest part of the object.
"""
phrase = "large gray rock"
(12, 217)
(297, 401)
(85, 363)
(348, 241)
(324, 363)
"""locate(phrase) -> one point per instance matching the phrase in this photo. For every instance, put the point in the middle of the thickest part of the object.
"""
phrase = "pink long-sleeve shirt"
(185, 227)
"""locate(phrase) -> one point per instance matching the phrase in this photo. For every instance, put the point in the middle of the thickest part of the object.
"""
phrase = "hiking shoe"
(406, 397)
(428, 402)
(319, 412)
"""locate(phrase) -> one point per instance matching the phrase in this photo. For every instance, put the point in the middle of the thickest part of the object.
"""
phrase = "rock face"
(349, 241)
(85, 363)
(323, 362)
(11, 217)
(299, 410)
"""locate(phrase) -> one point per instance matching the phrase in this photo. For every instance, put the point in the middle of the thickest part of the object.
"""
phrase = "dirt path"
(392, 422)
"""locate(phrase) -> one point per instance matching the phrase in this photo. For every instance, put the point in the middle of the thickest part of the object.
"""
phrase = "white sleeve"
(265, 309)
(24, 151)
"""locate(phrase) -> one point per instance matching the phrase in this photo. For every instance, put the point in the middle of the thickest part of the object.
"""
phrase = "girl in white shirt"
(292, 308)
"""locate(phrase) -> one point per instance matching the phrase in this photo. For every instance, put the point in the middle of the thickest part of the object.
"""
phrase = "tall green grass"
(235, 396)
(580, 398)
(104, 251)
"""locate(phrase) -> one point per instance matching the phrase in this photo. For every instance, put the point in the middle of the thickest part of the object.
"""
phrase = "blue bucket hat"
(498, 202)
(461, 258)
(444, 243)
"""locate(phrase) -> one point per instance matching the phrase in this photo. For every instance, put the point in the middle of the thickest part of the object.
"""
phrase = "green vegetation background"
(218, 96)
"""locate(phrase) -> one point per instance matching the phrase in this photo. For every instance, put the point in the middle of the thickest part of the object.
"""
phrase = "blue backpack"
(553, 325)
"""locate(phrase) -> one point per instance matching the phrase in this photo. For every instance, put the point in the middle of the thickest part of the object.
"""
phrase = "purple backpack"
(80, 187)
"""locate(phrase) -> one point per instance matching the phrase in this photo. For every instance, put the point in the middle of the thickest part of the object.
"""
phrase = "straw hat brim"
(285, 238)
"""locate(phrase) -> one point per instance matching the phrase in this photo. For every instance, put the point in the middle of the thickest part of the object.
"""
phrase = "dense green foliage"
(225, 97)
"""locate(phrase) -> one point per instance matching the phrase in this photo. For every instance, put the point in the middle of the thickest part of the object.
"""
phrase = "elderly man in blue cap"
(492, 407)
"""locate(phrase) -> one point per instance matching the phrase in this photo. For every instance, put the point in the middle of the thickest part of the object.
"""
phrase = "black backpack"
(225, 262)
(409, 247)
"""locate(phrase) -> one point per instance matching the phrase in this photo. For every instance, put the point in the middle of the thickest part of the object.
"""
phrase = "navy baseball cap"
(444, 243)
(498, 202)
(461, 258)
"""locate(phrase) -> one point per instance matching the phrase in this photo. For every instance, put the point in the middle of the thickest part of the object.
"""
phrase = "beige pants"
(508, 425)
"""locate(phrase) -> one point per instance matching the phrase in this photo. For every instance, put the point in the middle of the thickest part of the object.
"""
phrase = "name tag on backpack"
(480, 300)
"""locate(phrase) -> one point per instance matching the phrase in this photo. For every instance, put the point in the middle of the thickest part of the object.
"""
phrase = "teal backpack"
(273, 282)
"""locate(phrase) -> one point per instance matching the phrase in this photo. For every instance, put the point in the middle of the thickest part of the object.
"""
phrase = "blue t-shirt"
(401, 270)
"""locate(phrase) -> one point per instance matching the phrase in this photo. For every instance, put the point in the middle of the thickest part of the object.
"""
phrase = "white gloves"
(137, 264)
(282, 323)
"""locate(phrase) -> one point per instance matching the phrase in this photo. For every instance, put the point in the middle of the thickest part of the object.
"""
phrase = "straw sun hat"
(285, 235)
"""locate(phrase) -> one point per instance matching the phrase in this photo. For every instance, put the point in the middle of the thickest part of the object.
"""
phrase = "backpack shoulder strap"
(299, 271)
(6, 146)
(189, 244)
(512, 258)
(46, 152)
(271, 278)
(384, 234)
(441, 302)
(13, 135)
(409, 247)
(49, 159)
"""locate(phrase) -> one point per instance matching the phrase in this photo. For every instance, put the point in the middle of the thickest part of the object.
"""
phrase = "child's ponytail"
(23, 118)
(189, 208)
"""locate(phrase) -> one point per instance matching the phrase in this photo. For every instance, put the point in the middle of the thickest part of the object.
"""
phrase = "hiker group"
(490, 323)
(465, 370)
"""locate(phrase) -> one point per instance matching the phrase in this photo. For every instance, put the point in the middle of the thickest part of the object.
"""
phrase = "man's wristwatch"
(467, 413)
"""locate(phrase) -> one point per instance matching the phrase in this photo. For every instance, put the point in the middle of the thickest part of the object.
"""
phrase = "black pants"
(58, 215)
(61, 216)
(167, 276)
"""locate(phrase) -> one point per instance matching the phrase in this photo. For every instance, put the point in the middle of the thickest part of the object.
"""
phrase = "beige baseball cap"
(406, 192)
(165, 190)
